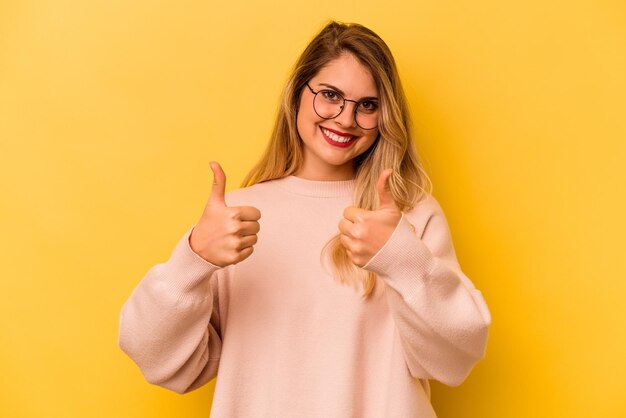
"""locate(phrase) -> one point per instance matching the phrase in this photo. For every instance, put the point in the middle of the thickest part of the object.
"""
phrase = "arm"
(441, 317)
(170, 324)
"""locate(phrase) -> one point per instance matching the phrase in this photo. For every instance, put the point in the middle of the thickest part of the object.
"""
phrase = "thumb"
(219, 184)
(385, 198)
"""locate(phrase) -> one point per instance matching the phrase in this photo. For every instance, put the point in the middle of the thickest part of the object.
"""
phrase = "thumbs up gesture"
(364, 232)
(224, 235)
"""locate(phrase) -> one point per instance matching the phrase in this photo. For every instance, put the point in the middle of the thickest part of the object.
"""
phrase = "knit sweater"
(286, 339)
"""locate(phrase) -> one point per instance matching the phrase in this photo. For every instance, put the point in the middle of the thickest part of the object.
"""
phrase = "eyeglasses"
(328, 104)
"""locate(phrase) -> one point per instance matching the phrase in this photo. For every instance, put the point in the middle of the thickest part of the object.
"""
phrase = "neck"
(329, 174)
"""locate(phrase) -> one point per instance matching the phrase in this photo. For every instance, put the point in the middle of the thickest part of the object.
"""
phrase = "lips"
(338, 139)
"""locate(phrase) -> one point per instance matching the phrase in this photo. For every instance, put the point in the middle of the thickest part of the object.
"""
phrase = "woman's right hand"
(224, 235)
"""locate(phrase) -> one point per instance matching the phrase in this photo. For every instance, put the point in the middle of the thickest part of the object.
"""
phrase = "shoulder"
(244, 195)
(254, 194)
(427, 214)
(426, 207)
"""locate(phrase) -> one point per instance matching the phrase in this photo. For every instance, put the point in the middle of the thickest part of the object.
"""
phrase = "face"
(331, 145)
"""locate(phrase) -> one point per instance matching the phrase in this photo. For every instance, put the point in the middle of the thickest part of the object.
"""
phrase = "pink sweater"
(285, 339)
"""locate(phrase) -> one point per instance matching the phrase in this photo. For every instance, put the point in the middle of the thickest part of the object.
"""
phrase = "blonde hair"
(394, 147)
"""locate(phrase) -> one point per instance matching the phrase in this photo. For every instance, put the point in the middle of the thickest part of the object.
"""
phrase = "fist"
(364, 232)
(224, 235)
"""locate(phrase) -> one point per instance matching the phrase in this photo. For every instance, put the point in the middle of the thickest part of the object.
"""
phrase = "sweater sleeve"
(442, 319)
(169, 326)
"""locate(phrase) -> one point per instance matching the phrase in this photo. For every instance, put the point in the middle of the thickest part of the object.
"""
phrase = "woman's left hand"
(364, 232)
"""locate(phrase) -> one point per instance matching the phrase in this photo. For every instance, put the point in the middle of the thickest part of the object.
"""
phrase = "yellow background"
(111, 110)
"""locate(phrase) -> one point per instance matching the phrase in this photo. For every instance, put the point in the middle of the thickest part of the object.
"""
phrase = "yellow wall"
(111, 110)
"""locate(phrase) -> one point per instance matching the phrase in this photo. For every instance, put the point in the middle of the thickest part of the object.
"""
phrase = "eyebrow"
(343, 94)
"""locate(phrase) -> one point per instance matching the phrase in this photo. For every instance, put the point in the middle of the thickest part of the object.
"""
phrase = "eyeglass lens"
(328, 104)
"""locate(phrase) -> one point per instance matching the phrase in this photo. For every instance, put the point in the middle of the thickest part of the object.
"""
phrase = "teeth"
(335, 137)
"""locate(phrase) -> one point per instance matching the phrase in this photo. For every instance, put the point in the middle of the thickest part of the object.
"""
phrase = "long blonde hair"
(394, 147)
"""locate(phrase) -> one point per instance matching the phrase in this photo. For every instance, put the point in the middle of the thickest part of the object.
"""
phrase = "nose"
(347, 117)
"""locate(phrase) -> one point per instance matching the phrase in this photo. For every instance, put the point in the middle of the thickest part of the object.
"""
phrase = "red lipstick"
(352, 140)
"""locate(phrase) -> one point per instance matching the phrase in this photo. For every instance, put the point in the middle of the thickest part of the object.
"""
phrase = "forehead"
(348, 74)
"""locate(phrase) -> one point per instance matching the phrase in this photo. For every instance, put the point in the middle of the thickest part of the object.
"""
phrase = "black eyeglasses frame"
(342, 107)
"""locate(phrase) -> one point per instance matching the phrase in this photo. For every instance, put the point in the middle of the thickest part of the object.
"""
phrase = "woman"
(350, 297)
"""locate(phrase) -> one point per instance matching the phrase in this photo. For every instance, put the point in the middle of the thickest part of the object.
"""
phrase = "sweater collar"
(316, 188)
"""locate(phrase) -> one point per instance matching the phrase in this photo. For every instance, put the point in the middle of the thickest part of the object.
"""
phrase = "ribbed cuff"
(403, 255)
(185, 270)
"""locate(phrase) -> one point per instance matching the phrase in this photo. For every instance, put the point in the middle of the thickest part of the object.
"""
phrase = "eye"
(368, 106)
(331, 96)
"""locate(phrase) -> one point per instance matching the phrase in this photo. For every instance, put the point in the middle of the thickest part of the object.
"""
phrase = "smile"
(337, 139)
